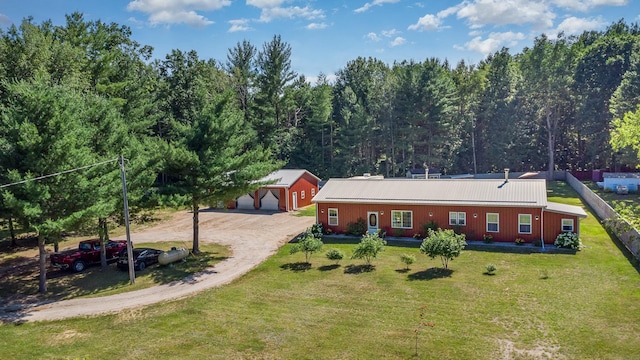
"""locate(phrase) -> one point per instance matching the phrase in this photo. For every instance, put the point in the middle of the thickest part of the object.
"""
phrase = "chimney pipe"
(506, 174)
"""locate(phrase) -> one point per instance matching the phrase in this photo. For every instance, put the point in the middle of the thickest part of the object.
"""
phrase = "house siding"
(474, 229)
(305, 183)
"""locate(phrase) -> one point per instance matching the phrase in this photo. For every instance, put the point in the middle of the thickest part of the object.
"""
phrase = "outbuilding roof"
(285, 177)
(566, 209)
(465, 192)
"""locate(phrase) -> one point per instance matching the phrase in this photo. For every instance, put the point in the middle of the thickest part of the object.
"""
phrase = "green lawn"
(549, 306)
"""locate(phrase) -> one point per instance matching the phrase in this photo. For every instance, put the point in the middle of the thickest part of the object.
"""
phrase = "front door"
(372, 222)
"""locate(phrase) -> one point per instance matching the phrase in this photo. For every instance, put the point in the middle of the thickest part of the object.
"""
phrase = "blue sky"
(325, 34)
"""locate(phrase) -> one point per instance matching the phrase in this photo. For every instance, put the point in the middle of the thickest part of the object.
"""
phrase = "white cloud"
(177, 11)
(427, 23)
(390, 33)
(368, 6)
(317, 26)
(587, 5)
(492, 43)
(4, 20)
(373, 36)
(239, 25)
(272, 9)
(497, 12)
(398, 41)
(574, 26)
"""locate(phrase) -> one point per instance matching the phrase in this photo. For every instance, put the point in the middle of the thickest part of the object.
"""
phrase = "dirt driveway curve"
(252, 236)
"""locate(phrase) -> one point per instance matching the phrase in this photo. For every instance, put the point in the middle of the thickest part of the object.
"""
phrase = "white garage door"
(246, 202)
(269, 202)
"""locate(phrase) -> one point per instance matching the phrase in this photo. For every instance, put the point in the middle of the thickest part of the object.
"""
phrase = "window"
(524, 223)
(457, 218)
(401, 219)
(567, 225)
(493, 222)
(313, 191)
(333, 217)
(302, 194)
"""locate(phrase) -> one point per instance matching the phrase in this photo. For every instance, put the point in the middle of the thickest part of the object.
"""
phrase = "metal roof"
(566, 209)
(464, 192)
(285, 177)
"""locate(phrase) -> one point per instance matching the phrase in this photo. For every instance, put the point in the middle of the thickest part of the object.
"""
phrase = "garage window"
(313, 192)
(302, 194)
(333, 217)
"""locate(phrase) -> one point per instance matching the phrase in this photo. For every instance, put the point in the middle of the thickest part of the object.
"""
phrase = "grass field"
(537, 306)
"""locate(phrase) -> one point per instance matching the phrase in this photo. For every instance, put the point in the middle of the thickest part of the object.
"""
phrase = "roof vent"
(506, 174)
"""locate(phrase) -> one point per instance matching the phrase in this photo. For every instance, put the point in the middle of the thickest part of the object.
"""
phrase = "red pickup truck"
(88, 253)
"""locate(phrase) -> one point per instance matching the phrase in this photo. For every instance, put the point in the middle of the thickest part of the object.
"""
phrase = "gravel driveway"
(253, 237)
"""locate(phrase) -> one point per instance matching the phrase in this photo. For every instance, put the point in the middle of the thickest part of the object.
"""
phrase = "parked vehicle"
(88, 253)
(622, 189)
(142, 257)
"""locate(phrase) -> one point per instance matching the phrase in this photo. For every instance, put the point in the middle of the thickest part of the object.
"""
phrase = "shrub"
(537, 242)
(569, 241)
(491, 269)
(316, 230)
(431, 225)
(487, 238)
(368, 248)
(407, 260)
(519, 241)
(398, 232)
(382, 233)
(309, 245)
(357, 228)
(443, 243)
(335, 255)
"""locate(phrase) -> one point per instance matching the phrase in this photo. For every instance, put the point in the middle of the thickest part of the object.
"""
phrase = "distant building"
(428, 173)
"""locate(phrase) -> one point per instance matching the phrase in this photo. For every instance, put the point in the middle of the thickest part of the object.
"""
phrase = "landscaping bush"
(357, 228)
(519, 241)
(335, 255)
(431, 225)
(568, 241)
(491, 269)
(487, 238)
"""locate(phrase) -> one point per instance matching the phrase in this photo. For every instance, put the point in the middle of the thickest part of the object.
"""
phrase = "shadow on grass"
(296, 267)
(431, 274)
(486, 273)
(403, 271)
(359, 269)
(329, 267)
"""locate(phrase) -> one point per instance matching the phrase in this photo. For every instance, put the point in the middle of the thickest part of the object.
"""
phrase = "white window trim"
(530, 224)
(313, 191)
(329, 217)
(401, 219)
(497, 223)
(302, 194)
(456, 222)
(562, 225)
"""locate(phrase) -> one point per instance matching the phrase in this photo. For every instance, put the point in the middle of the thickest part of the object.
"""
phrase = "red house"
(504, 209)
(289, 190)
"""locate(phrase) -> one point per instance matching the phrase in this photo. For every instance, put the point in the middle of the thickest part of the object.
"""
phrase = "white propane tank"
(173, 255)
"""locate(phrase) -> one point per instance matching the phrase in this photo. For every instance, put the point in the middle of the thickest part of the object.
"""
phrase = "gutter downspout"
(542, 227)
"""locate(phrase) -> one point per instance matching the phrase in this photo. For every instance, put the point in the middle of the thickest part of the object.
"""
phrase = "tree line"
(199, 131)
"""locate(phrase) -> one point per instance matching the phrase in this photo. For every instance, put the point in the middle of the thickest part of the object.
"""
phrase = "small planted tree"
(369, 248)
(407, 260)
(443, 243)
(335, 255)
(309, 244)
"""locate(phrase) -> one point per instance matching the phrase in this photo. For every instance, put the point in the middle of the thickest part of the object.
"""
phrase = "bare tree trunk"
(104, 238)
(196, 209)
(551, 139)
(12, 232)
(42, 279)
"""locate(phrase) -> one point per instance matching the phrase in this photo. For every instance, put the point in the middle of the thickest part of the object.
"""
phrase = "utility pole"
(132, 271)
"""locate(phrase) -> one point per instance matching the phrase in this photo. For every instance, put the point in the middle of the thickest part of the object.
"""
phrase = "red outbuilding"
(288, 190)
(504, 209)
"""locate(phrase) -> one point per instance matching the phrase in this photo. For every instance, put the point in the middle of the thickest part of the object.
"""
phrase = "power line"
(58, 173)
